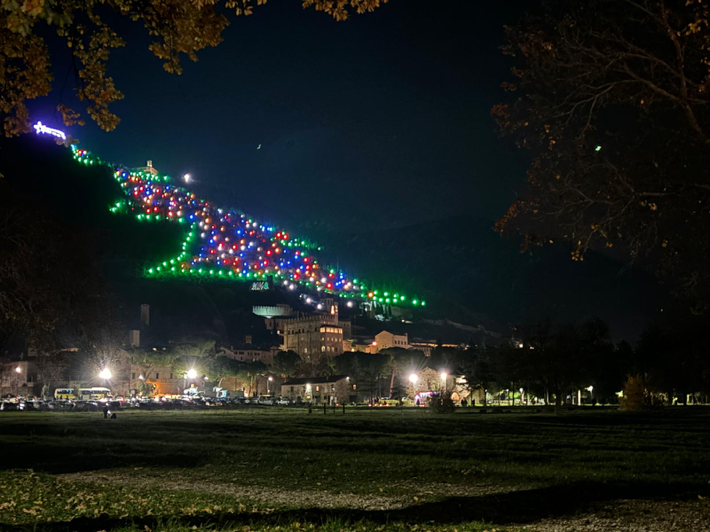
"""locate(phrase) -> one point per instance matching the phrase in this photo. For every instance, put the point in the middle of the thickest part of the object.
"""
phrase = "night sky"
(381, 121)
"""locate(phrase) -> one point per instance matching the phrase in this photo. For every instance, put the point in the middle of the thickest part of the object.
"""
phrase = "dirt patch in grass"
(306, 498)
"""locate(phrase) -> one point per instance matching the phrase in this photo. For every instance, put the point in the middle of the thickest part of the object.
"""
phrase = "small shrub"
(636, 395)
(442, 404)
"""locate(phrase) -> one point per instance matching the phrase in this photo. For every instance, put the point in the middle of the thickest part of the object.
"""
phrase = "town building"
(316, 335)
(250, 353)
(19, 378)
(388, 340)
(320, 390)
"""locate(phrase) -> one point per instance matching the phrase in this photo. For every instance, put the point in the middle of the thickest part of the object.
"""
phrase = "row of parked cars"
(18, 403)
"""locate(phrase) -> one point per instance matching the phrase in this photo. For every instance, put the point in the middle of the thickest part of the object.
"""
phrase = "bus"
(95, 393)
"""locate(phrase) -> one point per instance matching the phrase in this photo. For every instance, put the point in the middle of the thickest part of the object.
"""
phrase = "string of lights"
(227, 244)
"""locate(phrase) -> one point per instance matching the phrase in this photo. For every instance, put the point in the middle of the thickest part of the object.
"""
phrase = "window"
(157, 376)
(133, 375)
(354, 386)
(318, 388)
(171, 375)
(322, 348)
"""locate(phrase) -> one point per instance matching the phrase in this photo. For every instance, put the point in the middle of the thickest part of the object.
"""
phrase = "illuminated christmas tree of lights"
(227, 244)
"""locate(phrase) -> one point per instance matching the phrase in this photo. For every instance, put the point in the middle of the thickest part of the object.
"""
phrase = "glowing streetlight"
(191, 374)
(105, 373)
(444, 375)
(413, 378)
(141, 377)
(206, 378)
(18, 369)
(186, 178)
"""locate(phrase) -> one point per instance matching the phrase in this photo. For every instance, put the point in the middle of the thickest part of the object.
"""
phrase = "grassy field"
(269, 468)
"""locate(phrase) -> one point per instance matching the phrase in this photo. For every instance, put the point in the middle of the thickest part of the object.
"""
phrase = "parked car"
(282, 401)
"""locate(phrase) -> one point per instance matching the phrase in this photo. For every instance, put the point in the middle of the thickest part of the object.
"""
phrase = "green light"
(598, 148)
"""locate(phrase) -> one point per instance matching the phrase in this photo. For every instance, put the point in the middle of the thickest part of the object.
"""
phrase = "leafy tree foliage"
(365, 368)
(286, 363)
(672, 358)
(88, 28)
(197, 356)
(611, 98)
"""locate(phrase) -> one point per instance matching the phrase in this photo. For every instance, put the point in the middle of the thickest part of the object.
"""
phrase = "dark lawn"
(267, 466)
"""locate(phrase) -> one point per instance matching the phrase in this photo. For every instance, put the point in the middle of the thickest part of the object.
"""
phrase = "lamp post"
(444, 376)
(413, 378)
(268, 384)
(106, 375)
(190, 374)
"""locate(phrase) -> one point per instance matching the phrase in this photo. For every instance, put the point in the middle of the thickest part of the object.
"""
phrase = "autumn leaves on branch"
(178, 28)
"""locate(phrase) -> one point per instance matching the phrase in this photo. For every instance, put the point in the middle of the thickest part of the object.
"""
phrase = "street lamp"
(413, 378)
(191, 374)
(18, 369)
(444, 375)
(269, 381)
(186, 178)
(105, 374)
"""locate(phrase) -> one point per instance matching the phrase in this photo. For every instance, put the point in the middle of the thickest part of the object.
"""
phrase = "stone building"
(387, 340)
(318, 390)
(313, 336)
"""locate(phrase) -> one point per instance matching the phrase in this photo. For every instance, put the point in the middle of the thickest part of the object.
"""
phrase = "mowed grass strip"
(397, 455)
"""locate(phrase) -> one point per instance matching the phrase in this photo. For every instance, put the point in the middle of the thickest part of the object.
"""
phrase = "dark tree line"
(552, 361)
